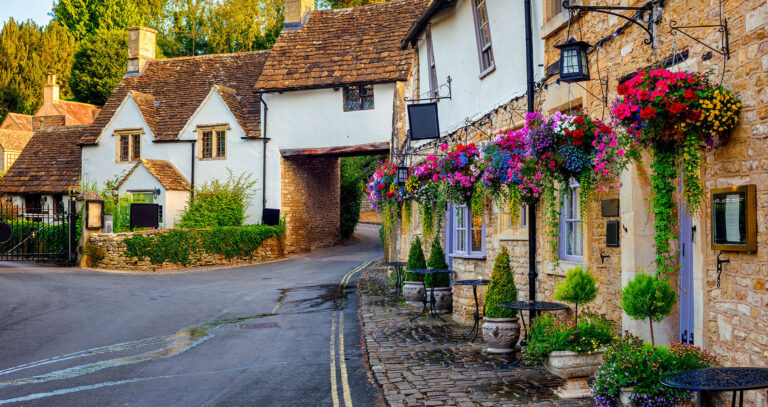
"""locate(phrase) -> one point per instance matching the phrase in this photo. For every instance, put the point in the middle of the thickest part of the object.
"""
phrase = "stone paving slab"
(428, 363)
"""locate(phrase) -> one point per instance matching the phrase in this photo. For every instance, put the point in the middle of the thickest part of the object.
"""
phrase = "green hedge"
(179, 245)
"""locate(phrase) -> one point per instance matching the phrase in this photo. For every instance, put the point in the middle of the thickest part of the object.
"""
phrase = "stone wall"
(110, 249)
(310, 188)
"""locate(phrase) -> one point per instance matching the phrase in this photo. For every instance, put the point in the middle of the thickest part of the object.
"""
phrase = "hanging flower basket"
(457, 172)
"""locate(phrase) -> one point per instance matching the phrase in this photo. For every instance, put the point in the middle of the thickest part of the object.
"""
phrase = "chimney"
(141, 48)
(51, 90)
(297, 13)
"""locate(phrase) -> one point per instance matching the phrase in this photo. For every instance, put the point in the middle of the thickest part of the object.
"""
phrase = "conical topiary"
(437, 262)
(578, 288)
(416, 261)
(502, 288)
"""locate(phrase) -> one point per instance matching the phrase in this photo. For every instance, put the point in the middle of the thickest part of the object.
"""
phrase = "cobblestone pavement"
(428, 363)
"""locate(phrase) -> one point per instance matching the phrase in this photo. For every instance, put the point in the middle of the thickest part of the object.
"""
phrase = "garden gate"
(34, 234)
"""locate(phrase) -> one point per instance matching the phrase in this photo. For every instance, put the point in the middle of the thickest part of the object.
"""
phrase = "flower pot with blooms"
(458, 173)
(424, 185)
(674, 115)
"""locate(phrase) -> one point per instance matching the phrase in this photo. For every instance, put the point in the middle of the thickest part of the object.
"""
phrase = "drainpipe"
(192, 178)
(532, 274)
(264, 159)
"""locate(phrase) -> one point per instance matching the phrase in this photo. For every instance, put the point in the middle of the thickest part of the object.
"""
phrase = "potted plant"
(572, 351)
(648, 297)
(633, 368)
(442, 281)
(500, 328)
(413, 288)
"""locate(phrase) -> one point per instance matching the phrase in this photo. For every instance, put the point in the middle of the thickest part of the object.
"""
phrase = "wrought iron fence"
(34, 234)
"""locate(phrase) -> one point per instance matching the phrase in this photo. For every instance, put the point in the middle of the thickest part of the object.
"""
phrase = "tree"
(502, 288)
(244, 25)
(646, 296)
(58, 54)
(186, 27)
(416, 261)
(84, 18)
(351, 195)
(348, 3)
(437, 262)
(578, 288)
(99, 65)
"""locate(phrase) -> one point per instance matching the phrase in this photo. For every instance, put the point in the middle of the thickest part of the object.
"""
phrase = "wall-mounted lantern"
(401, 176)
(574, 64)
(156, 193)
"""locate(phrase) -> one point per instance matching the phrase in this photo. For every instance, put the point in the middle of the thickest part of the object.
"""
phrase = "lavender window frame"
(571, 205)
(482, 46)
(453, 237)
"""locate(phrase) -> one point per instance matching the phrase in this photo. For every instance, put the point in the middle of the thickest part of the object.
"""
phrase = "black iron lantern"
(402, 175)
(574, 65)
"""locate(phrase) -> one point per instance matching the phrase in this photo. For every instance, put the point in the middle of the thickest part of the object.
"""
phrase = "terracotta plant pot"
(575, 369)
(501, 334)
(413, 291)
(443, 298)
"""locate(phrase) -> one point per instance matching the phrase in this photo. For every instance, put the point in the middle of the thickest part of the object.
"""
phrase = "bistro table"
(735, 379)
(399, 274)
(530, 306)
(431, 300)
(474, 284)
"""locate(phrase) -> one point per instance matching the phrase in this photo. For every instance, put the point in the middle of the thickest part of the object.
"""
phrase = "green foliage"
(84, 18)
(354, 172)
(437, 262)
(648, 297)
(578, 287)
(99, 65)
(94, 253)
(502, 288)
(179, 245)
(630, 362)
(416, 261)
(348, 3)
(548, 334)
(663, 178)
(219, 203)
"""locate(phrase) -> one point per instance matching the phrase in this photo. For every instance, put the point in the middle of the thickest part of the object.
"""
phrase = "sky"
(25, 9)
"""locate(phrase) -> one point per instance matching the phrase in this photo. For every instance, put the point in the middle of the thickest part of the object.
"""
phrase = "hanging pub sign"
(423, 122)
(734, 219)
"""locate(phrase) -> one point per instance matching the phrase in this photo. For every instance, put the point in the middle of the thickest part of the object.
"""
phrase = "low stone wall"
(109, 250)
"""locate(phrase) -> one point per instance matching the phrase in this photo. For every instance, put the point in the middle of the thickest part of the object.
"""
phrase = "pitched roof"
(147, 104)
(14, 140)
(165, 172)
(343, 46)
(421, 23)
(179, 85)
(40, 122)
(77, 113)
(17, 121)
(50, 163)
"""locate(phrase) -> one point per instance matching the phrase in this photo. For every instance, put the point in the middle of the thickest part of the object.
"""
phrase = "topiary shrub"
(502, 288)
(437, 262)
(578, 288)
(648, 297)
(416, 261)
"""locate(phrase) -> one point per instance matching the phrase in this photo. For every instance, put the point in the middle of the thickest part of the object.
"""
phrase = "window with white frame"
(467, 232)
(483, 36)
(571, 237)
(433, 86)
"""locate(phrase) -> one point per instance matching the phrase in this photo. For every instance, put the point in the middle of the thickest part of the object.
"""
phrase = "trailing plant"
(549, 334)
(630, 362)
(219, 203)
(416, 261)
(502, 288)
(437, 262)
(648, 297)
(458, 173)
(578, 287)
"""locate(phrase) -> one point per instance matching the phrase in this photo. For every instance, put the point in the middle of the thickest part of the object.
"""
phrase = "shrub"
(437, 262)
(351, 194)
(219, 203)
(549, 334)
(416, 261)
(648, 297)
(577, 288)
(502, 288)
(630, 362)
(94, 253)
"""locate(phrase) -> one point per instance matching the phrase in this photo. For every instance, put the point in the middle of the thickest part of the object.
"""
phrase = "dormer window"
(128, 147)
(212, 142)
(358, 97)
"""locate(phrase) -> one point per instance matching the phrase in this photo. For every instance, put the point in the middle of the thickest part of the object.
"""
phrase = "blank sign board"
(422, 118)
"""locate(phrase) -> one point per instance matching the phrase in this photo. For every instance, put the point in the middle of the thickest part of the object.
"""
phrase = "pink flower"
(620, 152)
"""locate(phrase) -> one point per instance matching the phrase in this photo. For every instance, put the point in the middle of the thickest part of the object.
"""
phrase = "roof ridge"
(372, 5)
(79, 103)
(206, 56)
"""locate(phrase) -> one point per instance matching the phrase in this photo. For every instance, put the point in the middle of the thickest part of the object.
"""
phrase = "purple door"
(686, 275)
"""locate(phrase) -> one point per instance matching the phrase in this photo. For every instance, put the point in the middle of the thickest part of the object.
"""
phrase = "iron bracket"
(725, 48)
(634, 19)
(720, 267)
(434, 99)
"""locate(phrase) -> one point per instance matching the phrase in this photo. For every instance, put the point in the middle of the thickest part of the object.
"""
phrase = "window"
(553, 9)
(513, 225)
(433, 86)
(10, 159)
(571, 239)
(143, 197)
(213, 143)
(483, 35)
(467, 232)
(358, 97)
(129, 147)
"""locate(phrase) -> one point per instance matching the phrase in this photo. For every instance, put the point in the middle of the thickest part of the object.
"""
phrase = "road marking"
(334, 386)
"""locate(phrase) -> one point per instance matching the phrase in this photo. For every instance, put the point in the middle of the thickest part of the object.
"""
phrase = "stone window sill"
(470, 256)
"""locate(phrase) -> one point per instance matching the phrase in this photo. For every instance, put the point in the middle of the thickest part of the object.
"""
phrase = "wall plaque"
(734, 218)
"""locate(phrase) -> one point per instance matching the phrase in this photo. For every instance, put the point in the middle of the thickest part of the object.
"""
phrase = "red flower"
(647, 113)
(577, 141)
(690, 95)
(693, 115)
(622, 89)
(643, 94)
(677, 108)
(578, 133)
(579, 120)
(605, 129)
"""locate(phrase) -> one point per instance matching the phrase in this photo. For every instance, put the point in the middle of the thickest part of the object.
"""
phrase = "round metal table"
(734, 379)
(530, 306)
(399, 274)
(431, 300)
(474, 284)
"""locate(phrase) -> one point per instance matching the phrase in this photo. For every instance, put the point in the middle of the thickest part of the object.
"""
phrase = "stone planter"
(500, 334)
(413, 291)
(575, 369)
(624, 394)
(444, 299)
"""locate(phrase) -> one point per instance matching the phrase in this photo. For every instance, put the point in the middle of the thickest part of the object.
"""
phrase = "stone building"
(730, 320)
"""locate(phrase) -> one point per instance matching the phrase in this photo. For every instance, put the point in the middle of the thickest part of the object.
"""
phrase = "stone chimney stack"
(51, 90)
(297, 13)
(141, 48)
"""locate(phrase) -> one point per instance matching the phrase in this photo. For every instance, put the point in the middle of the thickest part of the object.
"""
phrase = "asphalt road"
(278, 334)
